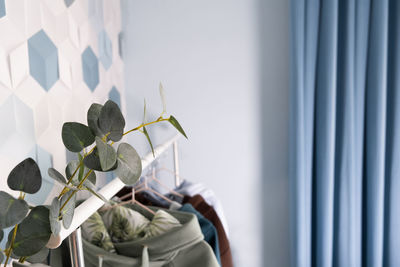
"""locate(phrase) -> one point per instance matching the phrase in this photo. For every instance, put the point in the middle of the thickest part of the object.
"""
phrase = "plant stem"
(143, 125)
(69, 181)
(65, 189)
(73, 192)
(10, 248)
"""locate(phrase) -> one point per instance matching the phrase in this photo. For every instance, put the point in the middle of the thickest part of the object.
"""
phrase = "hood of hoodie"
(166, 245)
(156, 250)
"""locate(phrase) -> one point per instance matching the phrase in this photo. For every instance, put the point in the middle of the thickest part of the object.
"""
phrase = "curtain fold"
(344, 133)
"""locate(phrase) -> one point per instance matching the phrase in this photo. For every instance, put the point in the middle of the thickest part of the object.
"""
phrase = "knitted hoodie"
(180, 247)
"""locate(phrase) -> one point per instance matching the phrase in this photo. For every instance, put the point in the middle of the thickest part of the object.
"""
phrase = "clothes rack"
(92, 204)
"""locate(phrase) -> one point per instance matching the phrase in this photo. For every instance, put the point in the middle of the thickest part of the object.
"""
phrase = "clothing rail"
(92, 204)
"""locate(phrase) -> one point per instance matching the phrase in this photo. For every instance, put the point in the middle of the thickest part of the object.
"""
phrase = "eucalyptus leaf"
(55, 223)
(93, 119)
(2, 257)
(12, 211)
(71, 167)
(129, 167)
(144, 128)
(76, 136)
(1, 234)
(92, 161)
(107, 154)
(92, 189)
(162, 95)
(39, 257)
(176, 124)
(112, 121)
(53, 173)
(68, 211)
(149, 140)
(25, 177)
(33, 232)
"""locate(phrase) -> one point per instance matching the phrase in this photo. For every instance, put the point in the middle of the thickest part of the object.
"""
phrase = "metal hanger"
(153, 178)
(131, 201)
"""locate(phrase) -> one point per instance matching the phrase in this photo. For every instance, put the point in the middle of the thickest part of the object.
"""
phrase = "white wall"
(206, 54)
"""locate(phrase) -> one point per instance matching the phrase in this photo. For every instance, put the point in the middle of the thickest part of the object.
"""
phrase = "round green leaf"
(177, 125)
(92, 161)
(25, 177)
(33, 232)
(39, 257)
(112, 121)
(93, 119)
(71, 167)
(53, 173)
(129, 167)
(76, 136)
(68, 211)
(1, 234)
(12, 211)
(55, 223)
(107, 154)
(2, 257)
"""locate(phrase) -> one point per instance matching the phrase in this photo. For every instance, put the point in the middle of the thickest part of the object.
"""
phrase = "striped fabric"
(94, 231)
(161, 223)
(124, 224)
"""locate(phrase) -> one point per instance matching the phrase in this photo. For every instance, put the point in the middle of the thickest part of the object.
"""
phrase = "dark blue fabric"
(207, 228)
(344, 133)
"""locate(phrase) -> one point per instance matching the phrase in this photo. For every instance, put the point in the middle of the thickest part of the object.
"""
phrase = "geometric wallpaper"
(57, 57)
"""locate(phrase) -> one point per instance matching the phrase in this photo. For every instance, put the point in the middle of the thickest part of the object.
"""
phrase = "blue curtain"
(345, 133)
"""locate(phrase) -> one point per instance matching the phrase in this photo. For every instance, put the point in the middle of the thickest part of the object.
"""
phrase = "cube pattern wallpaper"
(57, 57)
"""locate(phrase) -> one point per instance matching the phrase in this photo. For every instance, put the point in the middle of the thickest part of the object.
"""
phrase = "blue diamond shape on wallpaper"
(43, 60)
(2, 8)
(105, 49)
(45, 160)
(68, 2)
(115, 96)
(90, 68)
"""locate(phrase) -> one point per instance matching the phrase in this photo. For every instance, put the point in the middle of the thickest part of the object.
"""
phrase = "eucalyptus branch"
(42, 221)
(65, 189)
(89, 172)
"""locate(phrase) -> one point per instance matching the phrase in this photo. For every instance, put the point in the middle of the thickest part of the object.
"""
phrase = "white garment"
(191, 189)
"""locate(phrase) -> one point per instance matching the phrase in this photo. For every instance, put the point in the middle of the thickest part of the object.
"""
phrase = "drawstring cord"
(145, 257)
(100, 264)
